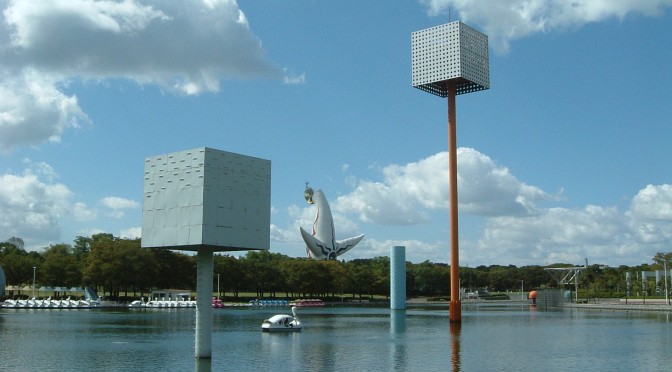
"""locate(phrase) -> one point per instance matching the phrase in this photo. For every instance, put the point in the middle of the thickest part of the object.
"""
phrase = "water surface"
(489, 338)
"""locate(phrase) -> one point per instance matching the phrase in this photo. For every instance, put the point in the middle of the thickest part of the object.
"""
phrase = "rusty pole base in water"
(455, 311)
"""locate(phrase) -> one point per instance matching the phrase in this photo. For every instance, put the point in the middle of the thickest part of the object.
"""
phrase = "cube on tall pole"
(448, 60)
(207, 201)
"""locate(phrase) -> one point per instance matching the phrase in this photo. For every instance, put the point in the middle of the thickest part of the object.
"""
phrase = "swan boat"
(282, 323)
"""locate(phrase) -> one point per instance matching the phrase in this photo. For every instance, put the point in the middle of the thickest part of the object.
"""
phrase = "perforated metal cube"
(452, 53)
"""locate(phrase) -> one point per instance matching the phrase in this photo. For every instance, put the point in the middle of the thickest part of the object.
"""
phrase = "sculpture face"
(308, 194)
(322, 243)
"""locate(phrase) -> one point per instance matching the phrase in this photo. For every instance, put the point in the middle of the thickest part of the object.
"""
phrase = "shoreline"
(613, 304)
(624, 305)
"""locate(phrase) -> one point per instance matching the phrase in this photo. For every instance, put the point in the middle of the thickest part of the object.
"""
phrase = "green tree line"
(121, 268)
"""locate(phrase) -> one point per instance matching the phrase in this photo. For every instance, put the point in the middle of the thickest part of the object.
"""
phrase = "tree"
(380, 266)
(662, 260)
(361, 276)
(18, 268)
(503, 278)
(60, 267)
(261, 277)
(173, 270)
(338, 275)
(17, 263)
(9, 248)
(428, 279)
(117, 265)
(262, 271)
(230, 272)
(82, 247)
(17, 242)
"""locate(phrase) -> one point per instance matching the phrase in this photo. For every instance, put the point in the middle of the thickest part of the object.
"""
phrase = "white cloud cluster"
(130, 233)
(485, 189)
(186, 47)
(556, 235)
(517, 227)
(31, 206)
(33, 110)
(504, 21)
(650, 216)
(117, 205)
(34, 206)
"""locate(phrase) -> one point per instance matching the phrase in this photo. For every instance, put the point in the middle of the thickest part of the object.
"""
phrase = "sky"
(565, 158)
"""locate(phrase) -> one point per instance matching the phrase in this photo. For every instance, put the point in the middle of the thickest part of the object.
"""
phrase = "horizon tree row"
(119, 266)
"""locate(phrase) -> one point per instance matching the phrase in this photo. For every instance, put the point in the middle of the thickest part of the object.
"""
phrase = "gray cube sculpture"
(452, 53)
(206, 198)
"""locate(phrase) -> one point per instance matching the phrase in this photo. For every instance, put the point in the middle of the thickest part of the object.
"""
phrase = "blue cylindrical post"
(398, 278)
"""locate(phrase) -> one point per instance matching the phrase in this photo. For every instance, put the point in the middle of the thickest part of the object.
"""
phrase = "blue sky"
(565, 158)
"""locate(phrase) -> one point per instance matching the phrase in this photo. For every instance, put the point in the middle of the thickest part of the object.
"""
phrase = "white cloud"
(115, 202)
(504, 21)
(653, 203)
(284, 235)
(33, 110)
(31, 208)
(185, 47)
(82, 213)
(650, 216)
(35, 207)
(409, 191)
(556, 235)
(131, 233)
(117, 206)
(415, 250)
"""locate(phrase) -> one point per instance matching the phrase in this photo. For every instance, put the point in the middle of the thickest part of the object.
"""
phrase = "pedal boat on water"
(282, 323)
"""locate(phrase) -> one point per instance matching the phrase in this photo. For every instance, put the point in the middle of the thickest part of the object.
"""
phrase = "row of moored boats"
(162, 304)
(48, 303)
(156, 303)
(185, 302)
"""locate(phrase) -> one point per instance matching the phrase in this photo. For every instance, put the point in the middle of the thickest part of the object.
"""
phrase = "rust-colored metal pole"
(455, 303)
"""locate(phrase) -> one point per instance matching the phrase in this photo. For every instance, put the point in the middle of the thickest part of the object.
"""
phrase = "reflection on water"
(398, 355)
(455, 328)
(339, 339)
(203, 364)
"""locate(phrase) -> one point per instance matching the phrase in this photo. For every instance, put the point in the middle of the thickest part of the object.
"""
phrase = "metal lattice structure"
(452, 52)
(565, 275)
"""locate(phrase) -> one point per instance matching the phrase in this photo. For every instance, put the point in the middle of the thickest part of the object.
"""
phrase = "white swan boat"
(282, 323)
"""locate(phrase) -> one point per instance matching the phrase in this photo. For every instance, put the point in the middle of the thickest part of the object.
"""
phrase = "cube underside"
(206, 198)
